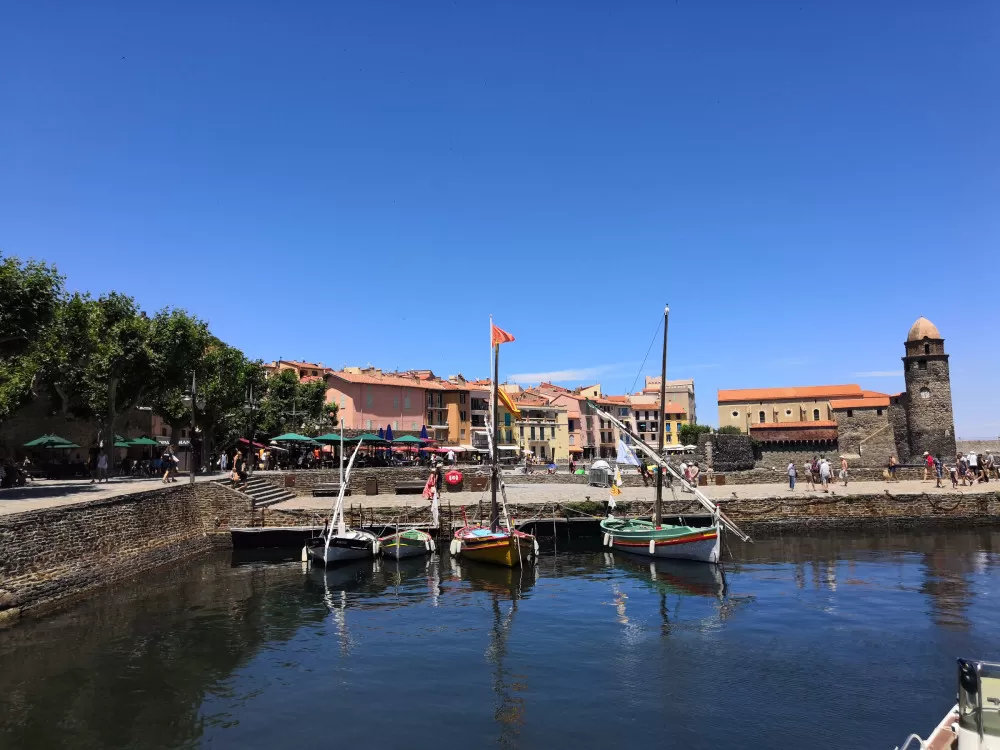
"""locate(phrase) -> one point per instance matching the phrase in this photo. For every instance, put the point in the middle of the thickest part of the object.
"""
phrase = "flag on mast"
(508, 403)
(499, 335)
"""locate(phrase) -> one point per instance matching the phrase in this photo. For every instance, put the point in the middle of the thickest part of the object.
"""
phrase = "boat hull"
(351, 546)
(507, 550)
(401, 551)
(698, 545)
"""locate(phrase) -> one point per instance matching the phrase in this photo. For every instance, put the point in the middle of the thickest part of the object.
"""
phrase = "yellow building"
(543, 428)
(645, 419)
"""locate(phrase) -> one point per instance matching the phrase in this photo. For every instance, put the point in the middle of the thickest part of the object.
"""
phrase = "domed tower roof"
(923, 329)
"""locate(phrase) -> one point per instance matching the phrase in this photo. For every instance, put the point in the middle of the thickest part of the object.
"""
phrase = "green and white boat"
(409, 543)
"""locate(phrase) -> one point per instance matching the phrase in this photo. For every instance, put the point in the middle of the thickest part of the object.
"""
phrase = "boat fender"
(607, 540)
(536, 548)
(305, 553)
(458, 546)
(376, 547)
(427, 545)
(434, 546)
(652, 546)
(452, 549)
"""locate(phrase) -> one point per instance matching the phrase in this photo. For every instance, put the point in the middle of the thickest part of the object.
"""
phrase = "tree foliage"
(729, 429)
(30, 295)
(689, 432)
(290, 405)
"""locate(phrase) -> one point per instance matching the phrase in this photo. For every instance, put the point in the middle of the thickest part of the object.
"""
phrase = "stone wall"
(865, 433)
(900, 429)
(306, 481)
(930, 420)
(55, 553)
(979, 446)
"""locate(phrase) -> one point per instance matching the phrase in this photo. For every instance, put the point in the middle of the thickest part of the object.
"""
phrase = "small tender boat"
(338, 543)
(511, 549)
(974, 723)
(409, 543)
(640, 537)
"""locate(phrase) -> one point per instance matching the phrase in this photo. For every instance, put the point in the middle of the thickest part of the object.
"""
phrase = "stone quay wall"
(51, 555)
(757, 516)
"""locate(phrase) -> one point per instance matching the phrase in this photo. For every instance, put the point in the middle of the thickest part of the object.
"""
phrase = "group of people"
(819, 470)
(968, 467)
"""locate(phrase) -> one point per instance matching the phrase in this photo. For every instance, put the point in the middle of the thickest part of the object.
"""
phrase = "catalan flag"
(506, 400)
(615, 490)
(499, 335)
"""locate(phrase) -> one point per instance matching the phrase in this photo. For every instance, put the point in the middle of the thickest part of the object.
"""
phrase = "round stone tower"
(929, 418)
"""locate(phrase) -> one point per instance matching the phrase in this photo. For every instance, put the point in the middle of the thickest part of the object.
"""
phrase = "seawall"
(50, 556)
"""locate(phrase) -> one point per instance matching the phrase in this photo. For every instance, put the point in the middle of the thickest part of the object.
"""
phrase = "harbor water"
(838, 640)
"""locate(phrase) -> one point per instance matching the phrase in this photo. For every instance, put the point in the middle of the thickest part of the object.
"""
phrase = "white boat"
(974, 722)
(338, 543)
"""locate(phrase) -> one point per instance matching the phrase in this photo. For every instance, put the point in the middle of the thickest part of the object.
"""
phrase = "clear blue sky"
(362, 182)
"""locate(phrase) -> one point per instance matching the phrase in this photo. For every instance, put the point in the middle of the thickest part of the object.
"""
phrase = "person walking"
(431, 490)
(953, 473)
(892, 469)
(224, 461)
(824, 473)
(791, 475)
(843, 469)
(810, 478)
(963, 467)
(102, 467)
(987, 466)
(938, 470)
(973, 460)
(928, 465)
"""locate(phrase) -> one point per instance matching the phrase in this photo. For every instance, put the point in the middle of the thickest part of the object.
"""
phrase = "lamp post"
(248, 409)
(195, 402)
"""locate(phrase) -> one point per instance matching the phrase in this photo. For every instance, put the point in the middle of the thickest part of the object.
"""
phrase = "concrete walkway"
(52, 493)
(574, 493)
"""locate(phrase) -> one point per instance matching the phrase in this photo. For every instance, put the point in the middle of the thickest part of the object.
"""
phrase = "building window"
(878, 412)
(461, 398)
(850, 412)
(572, 439)
(369, 424)
(395, 402)
(922, 364)
(522, 432)
(788, 412)
(571, 425)
(395, 425)
(761, 417)
(927, 348)
(541, 432)
(413, 425)
(532, 432)
(506, 421)
(163, 431)
(462, 416)
(368, 400)
(666, 426)
(816, 415)
(406, 401)
(543, 451)
(736, 413)
(925, 393)
(462, 433)
(510, 436)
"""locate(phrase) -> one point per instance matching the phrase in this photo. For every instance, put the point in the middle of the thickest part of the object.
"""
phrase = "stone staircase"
(262, 492)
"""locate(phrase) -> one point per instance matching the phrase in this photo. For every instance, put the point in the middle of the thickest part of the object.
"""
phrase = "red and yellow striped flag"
(499, 335)
(508, 403)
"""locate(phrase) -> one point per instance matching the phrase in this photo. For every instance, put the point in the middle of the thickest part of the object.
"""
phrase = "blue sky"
(366, 182)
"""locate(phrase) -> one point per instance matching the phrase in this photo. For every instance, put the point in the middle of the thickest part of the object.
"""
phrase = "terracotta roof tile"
(793, 425)
(783, 394)
(859, 403)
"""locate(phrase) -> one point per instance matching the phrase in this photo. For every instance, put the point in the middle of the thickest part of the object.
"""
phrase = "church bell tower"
(929, 417)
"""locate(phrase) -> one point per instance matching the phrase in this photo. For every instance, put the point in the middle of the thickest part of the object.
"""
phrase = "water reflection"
(202, 654)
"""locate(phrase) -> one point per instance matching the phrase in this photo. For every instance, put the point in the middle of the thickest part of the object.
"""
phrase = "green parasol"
(143, 441)
(50, 441)
(408, 439)
(292, 437)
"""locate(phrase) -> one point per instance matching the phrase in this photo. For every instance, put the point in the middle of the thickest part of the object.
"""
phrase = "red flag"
(499, 335)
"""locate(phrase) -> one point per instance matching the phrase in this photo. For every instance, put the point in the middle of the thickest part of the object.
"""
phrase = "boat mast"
(658, 509)
(494, 472)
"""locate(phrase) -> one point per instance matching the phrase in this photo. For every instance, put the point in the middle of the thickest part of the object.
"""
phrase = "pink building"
(369, 398)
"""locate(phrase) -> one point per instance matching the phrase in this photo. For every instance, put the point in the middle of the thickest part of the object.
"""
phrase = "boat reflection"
(674, 576)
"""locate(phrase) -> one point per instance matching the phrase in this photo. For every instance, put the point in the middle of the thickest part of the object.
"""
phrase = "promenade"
(43, 493)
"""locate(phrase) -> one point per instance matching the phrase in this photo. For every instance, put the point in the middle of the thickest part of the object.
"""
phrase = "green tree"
(293, 406)
(225, 377)
(729, 429)
(178, 343)
(31, 294)
(689, 432)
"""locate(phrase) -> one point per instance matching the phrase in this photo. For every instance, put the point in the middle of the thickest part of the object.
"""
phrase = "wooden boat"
(409, 543)
(655, 538)
(499, 543)
(640, 537)
(974, 722)
(509, 548)
(338, 543)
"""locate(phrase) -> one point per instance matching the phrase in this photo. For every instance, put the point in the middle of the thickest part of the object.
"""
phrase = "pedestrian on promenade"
(102, 467)
(224, 461)
(791, 475)
(810, 477)
(167, 462)
(892, 469)
(431, 490)
(963, 467)
(938, 470)
(973, 460)
(693, 472)
(994, 465)
(843, 469)
(987, 470)
(928, 465)
(953, 473)
(824, 473)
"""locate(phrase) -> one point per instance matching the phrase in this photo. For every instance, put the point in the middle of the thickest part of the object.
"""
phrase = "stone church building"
(866, 426)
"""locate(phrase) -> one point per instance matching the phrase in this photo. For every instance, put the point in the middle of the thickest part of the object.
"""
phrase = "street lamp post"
(195, 402)
(248, 408)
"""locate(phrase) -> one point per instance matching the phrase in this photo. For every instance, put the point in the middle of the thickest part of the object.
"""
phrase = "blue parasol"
(423, 432)
(388, 433)
(381, 432)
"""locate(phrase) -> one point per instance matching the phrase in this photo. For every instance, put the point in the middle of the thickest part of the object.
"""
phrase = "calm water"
(808, 643)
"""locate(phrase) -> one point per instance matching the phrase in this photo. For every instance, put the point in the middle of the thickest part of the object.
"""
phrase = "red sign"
(453, 477)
